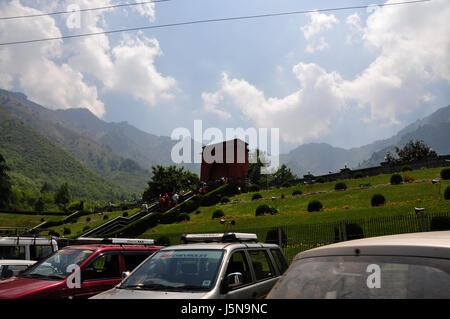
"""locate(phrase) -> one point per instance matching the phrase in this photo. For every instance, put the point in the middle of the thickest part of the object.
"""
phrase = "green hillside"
(34, 160)
(94, 155)
(354, 203)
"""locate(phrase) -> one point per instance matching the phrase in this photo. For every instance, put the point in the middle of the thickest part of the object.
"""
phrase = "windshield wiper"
(147, 287)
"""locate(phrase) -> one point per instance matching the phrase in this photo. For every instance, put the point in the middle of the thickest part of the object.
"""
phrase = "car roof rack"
(120, 241)
(219, 238)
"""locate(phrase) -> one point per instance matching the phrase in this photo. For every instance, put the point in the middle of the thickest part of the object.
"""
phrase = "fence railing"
(297, 238)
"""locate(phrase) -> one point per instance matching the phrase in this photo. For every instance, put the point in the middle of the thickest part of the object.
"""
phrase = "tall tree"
(62, 196)
(283, 175)
(168, 180)
(411, 152)
(5, 184)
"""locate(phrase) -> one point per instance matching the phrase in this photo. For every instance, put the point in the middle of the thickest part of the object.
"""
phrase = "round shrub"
(105, 217)
(440, 223)
(406, 168)
(88, 219)
(340, 186)
(320, 180)
(297, 192)
(358, 175)
(378, 200)
(447, 193)
(254, 188)
(256, 196)
(218, 214)
(262, 209)
(162, 241)
(354, 231)
(66, 231)
(183, 217)
(86, 228)
(225, 199)
(286, 184)
(396, 179)
(445, 173)
(125, 214)
(273, 211)
(314, 206)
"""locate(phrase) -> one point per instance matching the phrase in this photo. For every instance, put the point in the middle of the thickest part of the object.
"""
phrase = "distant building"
(225, 160)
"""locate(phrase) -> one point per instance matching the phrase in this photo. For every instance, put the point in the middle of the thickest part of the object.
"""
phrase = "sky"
(343, 77)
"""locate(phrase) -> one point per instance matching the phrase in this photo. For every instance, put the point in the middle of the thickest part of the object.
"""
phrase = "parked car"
(230, 265)
(12, 267)
(26, 248)
(79, 271)
(407, 266)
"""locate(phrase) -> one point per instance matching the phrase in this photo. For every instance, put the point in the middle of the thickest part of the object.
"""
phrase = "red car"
(79, 271)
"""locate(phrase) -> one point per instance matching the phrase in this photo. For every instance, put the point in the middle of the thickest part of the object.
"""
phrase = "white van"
(26, 248)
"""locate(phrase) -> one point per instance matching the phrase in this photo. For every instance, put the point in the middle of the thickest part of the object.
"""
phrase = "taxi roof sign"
(219, 237)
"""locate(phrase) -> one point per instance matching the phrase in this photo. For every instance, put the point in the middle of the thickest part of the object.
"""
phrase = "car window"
(365, 277)
(40, 252)
(238, 263)
(104, 267)
(133, 259)
(261, 264)
(177, 270)
(279, 260)
(12, 252)
(12, 270)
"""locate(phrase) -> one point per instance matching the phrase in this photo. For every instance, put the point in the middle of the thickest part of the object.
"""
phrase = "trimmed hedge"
(440, 223)
(314, 206)
(340, 186)
(354, 231)
(256, 196)
(447, 193)
(396, 179)
(297, 192)
(183, 217)
(445, 173)
(378, 200)
(218, 214)
(262, 209)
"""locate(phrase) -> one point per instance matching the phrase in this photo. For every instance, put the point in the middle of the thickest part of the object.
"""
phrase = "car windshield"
(365, 277)
(177, 270)
(59, 265)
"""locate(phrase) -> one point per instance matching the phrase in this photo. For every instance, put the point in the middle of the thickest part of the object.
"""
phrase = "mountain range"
(322, 158)
(101, 158)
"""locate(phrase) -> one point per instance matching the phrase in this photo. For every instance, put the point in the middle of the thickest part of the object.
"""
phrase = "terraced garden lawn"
(26, 221)
(338, 205)
(82, 225)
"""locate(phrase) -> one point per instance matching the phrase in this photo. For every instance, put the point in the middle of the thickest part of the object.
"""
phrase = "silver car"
(407, 266)
(218, 266)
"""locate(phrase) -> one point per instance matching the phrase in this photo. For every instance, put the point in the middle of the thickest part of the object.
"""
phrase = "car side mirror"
(235, 279)
(125, 274)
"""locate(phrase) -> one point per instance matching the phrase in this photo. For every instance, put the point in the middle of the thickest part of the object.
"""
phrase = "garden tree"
(62, 196)
(411, 152)
(168, 180)
(257, 160)
(5, 184)
(45, 188)
(283, 175)
(39, 205)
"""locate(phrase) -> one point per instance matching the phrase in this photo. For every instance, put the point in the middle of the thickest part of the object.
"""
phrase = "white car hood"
(115, 293)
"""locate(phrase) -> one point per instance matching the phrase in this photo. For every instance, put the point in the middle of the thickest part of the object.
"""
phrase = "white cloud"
(54, 73)
(34, 66)
(356, 29)
(319, 23)
(303, 114)
(413, 43)
(414, 46)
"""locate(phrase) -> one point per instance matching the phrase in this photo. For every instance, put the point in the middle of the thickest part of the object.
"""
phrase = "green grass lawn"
(26, 221)
(352, 204)
(79, 227)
